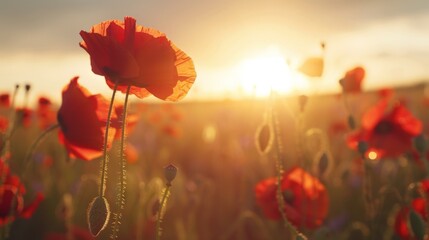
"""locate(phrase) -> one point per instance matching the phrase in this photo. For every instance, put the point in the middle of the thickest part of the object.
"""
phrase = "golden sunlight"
(266, 72)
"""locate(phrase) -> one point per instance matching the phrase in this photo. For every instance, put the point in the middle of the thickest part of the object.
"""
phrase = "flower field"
(348, 165)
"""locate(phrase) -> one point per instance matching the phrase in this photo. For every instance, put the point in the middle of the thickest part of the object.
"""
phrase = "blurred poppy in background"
(352, 80)
(388, 134)
(305, 197)
(419, 205)
(12, 198)
(45, 114)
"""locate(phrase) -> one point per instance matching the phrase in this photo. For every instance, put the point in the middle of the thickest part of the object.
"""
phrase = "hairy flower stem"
(11, 129)
(165, 196)
(34, 146)
(279, 167)
(122, 171)
(104, 161)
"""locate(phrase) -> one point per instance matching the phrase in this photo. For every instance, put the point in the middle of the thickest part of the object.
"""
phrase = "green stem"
(279, 167)
(122, 162)
(35, 144)
(104, 162)
(160, 211)
(121, 197)
(11, 129)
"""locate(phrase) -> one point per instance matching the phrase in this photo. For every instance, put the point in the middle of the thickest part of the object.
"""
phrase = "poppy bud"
(170, 173)
(27, 87)
(303, 99)
(362, 147)
(417, 224)
(98, 215)
(323, 163)
(420, 143)
(264, 138)
(351, 121)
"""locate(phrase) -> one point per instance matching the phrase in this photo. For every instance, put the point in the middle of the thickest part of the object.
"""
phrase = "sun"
(266, 72)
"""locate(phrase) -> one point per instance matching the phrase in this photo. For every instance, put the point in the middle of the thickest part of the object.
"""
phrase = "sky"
(389, 38)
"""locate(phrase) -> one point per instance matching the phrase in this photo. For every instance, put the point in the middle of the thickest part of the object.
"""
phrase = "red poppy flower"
(138, 56)
(172, 130)
(419, 206)
(306, 199)
(385, 93)
(387, 134)
(23, 116)
(4, 124)
(45, 114)
(12, 195)
(82, 119)
(5, 100)
(352, 81)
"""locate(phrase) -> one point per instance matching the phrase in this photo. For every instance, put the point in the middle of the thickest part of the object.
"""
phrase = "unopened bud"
(264, 138)
(323, 163)
(420, 143)
(170, 173)
(27, 87)
(417, 224)
(362, 147)
(351, 121)
(98, 215)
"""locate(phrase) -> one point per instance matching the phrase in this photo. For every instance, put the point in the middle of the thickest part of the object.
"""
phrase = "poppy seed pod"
(98, 215)
(170, 172)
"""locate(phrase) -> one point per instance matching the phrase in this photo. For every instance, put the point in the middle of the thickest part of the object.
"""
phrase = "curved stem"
(279, 167)
(104, 162)
(35, 144)
(161, 207)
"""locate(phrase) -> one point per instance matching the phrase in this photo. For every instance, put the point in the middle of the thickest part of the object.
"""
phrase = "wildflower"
(418, 205)
(24, 116)
(388, 134)
(5, 100)
(82, 119)
(45, 114)
(12, 198)
(352, 81)
(305, 197)
(138, 56)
